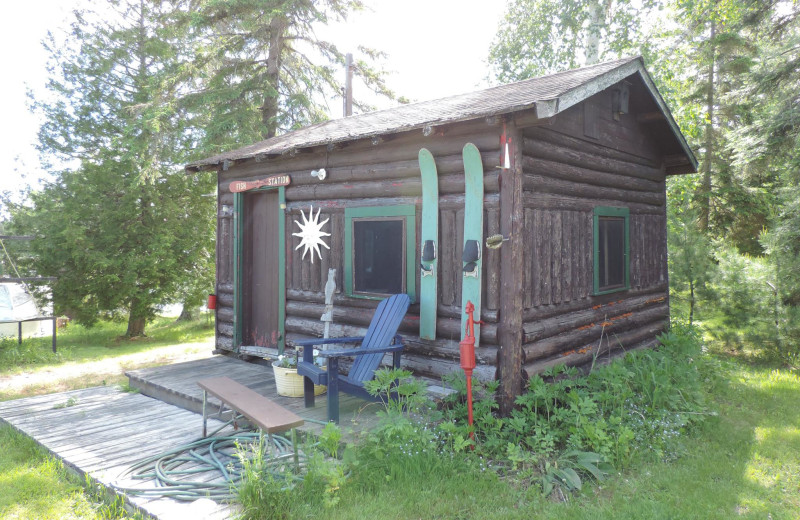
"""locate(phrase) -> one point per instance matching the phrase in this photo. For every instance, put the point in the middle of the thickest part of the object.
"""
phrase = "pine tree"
(121, 227)
(257, 68)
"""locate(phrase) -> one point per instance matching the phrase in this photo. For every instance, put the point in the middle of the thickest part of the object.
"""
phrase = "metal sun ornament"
(311, 233)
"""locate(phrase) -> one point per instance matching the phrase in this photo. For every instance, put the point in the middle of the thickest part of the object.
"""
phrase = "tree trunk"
(596, 22)
(691, 302)
(137, 319)
(269, 110)
(705, 205)
(187, 313)
(135, 326)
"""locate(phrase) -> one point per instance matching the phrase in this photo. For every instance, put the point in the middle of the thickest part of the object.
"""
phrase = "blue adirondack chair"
(381, 338)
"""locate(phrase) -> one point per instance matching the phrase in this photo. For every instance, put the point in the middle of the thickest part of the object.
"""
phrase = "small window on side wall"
(379, 251)
(611, 249)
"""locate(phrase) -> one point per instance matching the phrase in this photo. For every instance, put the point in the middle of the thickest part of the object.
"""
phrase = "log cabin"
(569, 254)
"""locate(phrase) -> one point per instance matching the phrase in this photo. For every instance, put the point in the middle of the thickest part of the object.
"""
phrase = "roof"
(547, 95)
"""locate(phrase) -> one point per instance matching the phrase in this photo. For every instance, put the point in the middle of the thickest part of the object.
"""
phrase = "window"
(611, 249)
(379, 249)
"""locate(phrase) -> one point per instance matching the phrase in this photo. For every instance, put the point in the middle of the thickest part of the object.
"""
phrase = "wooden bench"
(267, 415)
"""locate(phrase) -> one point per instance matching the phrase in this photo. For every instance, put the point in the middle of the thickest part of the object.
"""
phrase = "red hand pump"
(467, 351)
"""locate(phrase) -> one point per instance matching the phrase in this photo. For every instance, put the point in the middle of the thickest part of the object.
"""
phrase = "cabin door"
(261, 267)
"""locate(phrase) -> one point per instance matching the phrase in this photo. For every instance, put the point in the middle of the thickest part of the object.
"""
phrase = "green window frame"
(406, 214)
(605, 250)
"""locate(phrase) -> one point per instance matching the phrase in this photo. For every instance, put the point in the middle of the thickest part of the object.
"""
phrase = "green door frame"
(238, 237)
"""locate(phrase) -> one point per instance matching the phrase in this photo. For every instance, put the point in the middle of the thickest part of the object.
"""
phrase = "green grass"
(96, 356)
(104, 340)
(743, 462)
(36, 486)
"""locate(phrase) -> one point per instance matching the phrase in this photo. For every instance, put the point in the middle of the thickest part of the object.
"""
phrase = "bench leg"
(296, 455)
(205, 413)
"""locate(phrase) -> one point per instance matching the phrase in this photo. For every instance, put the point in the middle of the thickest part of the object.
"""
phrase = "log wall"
(586, 159)
(581, 159)
(362, 174)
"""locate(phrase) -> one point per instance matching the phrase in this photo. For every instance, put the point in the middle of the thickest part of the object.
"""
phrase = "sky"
(436, 48)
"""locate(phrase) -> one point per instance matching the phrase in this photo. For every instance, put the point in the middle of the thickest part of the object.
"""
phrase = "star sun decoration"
(311, 233)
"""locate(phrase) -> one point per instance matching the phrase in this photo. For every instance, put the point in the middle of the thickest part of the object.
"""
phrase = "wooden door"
(260, 285)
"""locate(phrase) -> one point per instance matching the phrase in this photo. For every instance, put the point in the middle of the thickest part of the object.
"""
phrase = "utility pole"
(348, 85)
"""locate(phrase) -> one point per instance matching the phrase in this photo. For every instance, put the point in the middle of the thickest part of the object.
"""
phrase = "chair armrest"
(326, 341)
(359, 352)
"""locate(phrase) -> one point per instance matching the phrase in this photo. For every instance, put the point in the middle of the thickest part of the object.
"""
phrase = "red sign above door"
(270, 182)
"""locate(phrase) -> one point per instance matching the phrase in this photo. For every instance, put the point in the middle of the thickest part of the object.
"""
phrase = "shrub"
(645, 400)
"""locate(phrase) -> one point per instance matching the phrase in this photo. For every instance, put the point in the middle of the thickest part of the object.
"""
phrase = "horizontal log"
(404, 148)
(591, 332)
(224, 343)
(545, 328)
(453, 311)
(587, 352)
(438, 368)
(347, 302)
(225, 314)
(398, 170)
(225, 300)
(344, 315)
(224, 288)
(564, 202)
(544, 184)
(308, 327)
(451, 327)
(588, 175)
(593, 161)
(225, 328)
(559, 140)
(449, 349)
(547, 311)
(449, 201)
(611, 355)
(389, 187)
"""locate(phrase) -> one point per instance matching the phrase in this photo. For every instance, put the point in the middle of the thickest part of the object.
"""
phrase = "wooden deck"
(177, 384)
(102, 431)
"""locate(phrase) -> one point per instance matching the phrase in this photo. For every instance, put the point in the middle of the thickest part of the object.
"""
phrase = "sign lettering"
(270, 182)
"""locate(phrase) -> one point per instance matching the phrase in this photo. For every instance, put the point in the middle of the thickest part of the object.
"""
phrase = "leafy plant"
(563, 475)
(399, 392)
(329, 439)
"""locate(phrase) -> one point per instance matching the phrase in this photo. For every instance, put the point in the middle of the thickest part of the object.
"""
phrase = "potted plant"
(287, 381)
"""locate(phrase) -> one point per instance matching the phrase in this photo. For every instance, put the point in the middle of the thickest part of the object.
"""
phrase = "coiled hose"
(172, 471)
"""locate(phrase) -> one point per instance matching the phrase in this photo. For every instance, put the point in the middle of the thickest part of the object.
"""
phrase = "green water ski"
(472, 257)
(429, 246)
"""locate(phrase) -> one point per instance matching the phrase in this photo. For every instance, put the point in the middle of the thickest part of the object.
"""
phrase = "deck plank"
(111, 430)
(102, 431)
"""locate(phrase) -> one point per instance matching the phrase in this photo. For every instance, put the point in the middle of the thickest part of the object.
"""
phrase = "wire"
(213, 457)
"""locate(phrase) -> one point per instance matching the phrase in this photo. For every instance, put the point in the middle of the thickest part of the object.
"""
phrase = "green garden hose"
(213, 456)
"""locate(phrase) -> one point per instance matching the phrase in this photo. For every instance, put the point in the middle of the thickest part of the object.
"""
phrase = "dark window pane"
(378, 256)
(611, 234)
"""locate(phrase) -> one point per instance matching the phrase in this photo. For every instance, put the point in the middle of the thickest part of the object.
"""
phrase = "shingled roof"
(547, 95)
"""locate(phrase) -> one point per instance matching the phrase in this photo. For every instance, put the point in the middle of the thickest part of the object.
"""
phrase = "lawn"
(743, 461)
(96, 356)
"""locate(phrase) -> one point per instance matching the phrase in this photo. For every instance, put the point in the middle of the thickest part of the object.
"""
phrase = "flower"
(285, 361)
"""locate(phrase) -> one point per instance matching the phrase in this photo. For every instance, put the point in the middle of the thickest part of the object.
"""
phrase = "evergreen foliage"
(729, 72)
(121, 227)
